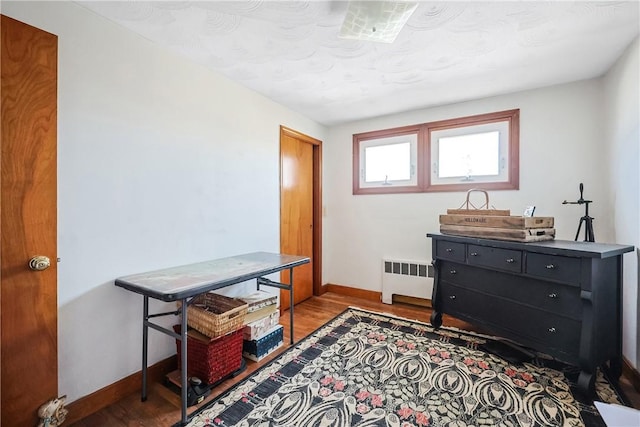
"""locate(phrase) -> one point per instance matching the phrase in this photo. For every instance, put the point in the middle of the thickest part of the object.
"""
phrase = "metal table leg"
(145, 345)
(183, 368)
(291, 303)
(289, 287)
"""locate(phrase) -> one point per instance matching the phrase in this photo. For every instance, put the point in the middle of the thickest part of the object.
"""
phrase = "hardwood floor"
(162, 407)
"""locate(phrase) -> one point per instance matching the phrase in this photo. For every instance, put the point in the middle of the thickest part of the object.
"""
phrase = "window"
(478, 151)
(450, 155)
(386, 161)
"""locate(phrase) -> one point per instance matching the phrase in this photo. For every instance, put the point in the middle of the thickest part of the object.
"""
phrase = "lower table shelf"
(197, 391)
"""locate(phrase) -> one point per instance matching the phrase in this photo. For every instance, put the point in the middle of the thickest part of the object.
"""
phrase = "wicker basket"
(215, 315)
(211, 360)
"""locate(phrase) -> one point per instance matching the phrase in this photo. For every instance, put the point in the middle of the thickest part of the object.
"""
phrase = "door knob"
(39, 263)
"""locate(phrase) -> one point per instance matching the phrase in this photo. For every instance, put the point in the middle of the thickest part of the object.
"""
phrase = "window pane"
(469, 155)
(387, 162)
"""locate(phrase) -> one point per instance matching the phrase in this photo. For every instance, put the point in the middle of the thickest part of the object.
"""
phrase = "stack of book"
(262, 332)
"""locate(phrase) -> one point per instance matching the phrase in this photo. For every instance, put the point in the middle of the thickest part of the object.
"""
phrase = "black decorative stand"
(585, 219)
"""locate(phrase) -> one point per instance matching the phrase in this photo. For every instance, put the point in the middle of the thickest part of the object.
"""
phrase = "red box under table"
(211, 359)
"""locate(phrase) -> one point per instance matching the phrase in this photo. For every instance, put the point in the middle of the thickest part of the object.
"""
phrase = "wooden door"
(299, 210)
(28, 299)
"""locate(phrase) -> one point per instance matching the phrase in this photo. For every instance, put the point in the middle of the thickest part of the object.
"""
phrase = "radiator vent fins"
(408, 269)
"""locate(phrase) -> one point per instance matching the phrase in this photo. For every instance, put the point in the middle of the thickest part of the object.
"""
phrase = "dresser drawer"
(521, 323)
(560, 268)
(501, 259)
(466, 304)
(450, 250)
(459, 274)
(555, 332)
(548, 296)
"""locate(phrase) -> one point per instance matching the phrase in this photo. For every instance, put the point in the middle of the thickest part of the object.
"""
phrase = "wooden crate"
(499, 224)
(483, 212)
(500, 221)
(516, 235)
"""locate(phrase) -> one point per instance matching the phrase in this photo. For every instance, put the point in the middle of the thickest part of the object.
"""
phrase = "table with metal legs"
(185, 282)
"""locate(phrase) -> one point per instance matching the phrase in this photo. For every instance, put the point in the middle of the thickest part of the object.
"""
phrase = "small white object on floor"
(53, 413)
(618, 415)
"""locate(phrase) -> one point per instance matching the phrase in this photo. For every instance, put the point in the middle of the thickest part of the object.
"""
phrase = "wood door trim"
(317, 203)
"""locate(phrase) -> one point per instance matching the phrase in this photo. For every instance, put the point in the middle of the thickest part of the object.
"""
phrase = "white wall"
(622, 139)
(161, 162)
(561, 145)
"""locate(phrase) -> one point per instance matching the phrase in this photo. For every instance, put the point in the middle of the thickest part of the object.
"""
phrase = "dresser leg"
(436, 319)
(586, 382)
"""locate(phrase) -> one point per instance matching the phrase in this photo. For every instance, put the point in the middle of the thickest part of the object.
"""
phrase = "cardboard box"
(260, 348)
(261, 313)
(260, 327)
(258, 300)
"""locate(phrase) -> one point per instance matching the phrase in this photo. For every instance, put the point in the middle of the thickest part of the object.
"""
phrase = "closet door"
(28, 222)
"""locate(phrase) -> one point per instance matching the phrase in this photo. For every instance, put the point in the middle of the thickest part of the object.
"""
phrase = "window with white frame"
(386, 163)
(470, 154)
(474, 152)
(450, 155)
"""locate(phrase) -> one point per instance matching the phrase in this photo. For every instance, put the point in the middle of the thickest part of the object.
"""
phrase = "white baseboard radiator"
(407, 278)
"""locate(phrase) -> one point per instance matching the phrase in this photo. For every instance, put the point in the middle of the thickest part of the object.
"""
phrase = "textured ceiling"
(447, 52)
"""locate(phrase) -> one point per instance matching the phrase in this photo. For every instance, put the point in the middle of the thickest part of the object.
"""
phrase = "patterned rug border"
(614, 385)
(266, 365)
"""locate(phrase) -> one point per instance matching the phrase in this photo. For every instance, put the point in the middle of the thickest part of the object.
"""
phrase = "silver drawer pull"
(449, 250)
(553, 295)
(452, 271)
(474, 254)
(452, 297)
(550, 266)
(552, 330)
(510, 260)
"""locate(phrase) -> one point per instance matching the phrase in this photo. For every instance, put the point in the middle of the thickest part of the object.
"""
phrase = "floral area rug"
(371, 369)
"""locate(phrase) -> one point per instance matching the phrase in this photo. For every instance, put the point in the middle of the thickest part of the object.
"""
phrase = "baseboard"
(404, 299)
(353, 292)
(631, 374)
(112, 393)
